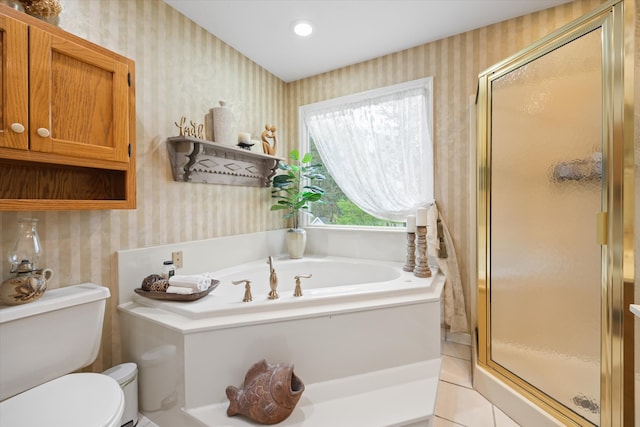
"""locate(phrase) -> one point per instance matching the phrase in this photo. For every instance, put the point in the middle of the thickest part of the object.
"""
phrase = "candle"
(421, 217)
(411, 224)
(244, 137)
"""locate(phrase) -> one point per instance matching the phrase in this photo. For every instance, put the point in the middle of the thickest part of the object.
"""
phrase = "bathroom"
(80, 246)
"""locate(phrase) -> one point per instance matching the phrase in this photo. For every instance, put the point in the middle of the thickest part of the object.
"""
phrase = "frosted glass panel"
(546, 179)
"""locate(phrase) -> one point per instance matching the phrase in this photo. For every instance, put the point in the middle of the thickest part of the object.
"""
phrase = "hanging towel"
(197, 282)
(455, 314)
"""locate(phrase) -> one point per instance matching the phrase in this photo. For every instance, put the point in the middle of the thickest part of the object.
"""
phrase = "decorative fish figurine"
(268, 395)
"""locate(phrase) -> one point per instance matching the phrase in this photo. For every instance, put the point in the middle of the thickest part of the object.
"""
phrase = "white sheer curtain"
(378, 147)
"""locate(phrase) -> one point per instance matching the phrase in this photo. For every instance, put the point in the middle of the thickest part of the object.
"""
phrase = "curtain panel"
(378, 147)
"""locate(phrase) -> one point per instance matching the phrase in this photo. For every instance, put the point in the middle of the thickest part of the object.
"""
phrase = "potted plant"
(295, 190)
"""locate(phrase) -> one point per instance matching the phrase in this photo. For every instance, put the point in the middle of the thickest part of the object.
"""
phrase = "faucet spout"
(273, 280)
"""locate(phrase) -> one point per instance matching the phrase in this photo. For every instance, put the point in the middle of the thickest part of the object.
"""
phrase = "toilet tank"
(50, 337)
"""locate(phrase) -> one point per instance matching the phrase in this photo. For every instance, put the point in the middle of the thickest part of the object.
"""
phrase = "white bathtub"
(363, 334)
(335, 282)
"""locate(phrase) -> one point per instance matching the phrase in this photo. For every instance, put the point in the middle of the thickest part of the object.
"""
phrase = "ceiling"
(345, 31)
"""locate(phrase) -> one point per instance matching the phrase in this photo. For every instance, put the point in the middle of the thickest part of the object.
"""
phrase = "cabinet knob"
(17, 127)
(43, 132)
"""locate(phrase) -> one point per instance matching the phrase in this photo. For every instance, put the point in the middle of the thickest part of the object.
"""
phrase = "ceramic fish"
(268, 395)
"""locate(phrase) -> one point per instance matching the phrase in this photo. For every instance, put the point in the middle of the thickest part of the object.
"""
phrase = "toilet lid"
(74, 400)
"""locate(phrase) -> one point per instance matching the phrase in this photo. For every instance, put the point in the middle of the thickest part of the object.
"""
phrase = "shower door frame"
(616, 234)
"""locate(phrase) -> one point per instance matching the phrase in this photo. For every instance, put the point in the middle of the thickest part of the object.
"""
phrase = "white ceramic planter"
(296, 242)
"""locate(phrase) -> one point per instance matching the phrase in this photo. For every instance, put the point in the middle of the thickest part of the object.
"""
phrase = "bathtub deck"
(399, 396)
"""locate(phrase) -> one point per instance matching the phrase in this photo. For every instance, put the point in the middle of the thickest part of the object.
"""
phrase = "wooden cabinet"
(67, 120)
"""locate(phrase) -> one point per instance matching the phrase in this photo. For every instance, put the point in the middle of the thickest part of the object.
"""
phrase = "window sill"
(363, 228)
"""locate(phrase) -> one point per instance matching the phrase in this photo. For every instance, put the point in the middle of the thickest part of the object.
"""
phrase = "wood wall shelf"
(199, 161)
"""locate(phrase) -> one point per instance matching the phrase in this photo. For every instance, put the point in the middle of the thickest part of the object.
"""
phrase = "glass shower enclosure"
(551, 221)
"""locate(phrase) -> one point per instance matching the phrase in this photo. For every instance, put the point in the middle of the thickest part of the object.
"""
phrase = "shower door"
(547, 131)
(546, 187)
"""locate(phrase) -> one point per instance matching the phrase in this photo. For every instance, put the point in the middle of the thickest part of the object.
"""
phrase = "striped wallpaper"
(454, 63)
(183, 70)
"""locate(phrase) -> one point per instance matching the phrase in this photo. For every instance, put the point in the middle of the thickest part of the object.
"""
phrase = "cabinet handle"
(43, 132)
(17, 127)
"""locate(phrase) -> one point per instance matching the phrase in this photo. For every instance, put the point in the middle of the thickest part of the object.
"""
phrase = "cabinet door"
(14, 87)
(79, 100)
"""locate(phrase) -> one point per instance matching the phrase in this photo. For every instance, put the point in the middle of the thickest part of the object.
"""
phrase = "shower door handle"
(601, 228)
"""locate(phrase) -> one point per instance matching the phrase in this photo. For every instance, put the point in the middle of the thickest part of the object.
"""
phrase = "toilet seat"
(74, 400)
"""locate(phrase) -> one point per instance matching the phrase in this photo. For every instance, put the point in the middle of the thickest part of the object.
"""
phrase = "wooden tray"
(177, 297)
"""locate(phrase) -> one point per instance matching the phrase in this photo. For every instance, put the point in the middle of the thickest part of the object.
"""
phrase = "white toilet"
(40, 344)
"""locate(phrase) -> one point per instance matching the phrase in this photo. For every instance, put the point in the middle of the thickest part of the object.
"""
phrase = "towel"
(179, 290)
(197, 282)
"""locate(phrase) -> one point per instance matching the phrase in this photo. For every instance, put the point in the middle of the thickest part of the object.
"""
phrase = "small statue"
(269, 132)
(268, 395)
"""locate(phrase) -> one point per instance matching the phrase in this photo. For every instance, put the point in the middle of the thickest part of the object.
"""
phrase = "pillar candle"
(244, 137)
(411, 224)
(421, 217)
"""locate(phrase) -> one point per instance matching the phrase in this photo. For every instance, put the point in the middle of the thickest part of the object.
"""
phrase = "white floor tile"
(502, 419)
(453, 349)
(441, 422)
(456, 371)
(145, 422)
(463, 405)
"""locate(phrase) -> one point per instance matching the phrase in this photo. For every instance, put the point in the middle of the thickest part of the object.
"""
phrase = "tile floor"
(457, 404)
(145, 422)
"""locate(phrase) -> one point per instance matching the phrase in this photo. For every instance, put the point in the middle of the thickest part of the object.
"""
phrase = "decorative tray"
(177, 297)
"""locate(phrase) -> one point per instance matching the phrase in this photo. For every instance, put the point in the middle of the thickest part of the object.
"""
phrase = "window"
(377, 151)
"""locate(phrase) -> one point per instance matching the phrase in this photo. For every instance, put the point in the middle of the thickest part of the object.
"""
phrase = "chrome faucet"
(273, 280)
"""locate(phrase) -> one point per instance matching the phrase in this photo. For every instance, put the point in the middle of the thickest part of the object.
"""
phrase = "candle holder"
(410, 265)
(422, 268)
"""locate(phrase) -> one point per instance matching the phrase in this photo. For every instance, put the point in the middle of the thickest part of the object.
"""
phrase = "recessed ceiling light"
(302, 28)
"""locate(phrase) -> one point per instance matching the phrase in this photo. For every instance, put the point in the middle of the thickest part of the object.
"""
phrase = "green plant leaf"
(307, 158)
(314, 189)
(294, 155)
(312, 197)
(278, 207)
(317, 176)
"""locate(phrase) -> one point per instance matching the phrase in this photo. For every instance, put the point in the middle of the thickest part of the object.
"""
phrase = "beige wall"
(454, 63)
(180, 70)
(183, 70)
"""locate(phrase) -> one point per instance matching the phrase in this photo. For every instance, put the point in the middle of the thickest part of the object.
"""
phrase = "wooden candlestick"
(411, 252)
(422, 268)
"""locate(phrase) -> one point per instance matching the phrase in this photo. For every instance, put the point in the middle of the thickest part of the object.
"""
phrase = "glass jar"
(27, 249)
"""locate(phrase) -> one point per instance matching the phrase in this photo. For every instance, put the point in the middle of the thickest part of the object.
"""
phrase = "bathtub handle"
(298, 291)
(247, 289)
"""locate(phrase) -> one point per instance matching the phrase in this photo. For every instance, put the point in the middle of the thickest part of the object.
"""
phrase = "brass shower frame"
(617, 20)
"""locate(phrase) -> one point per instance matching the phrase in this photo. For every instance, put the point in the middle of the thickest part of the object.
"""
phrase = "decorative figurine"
(269, 133)
(268, 394)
